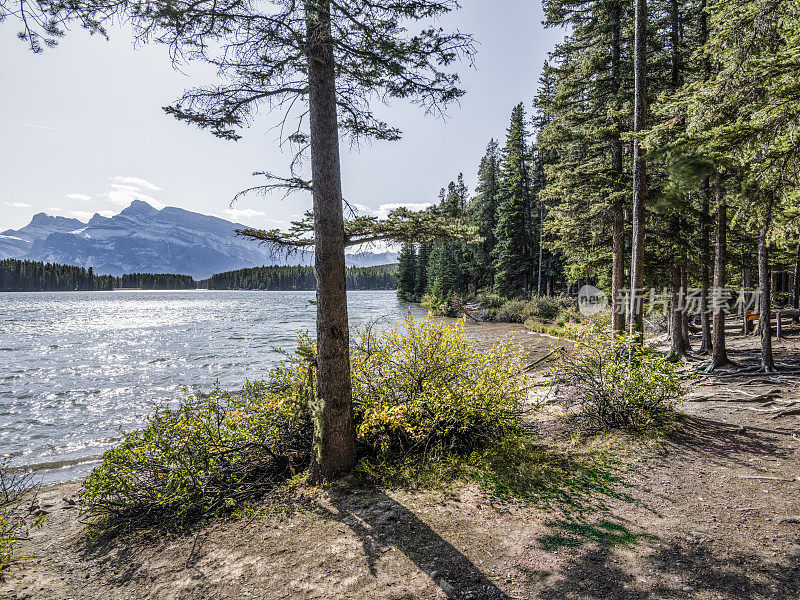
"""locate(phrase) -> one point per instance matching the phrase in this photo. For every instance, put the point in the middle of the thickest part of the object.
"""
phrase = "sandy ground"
(711, 512)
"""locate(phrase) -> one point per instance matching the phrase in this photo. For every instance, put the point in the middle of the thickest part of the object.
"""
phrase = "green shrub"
(17, 511)
(451, 306)
(425, 388)
(490, 300)
(204, 457)
(547, 308)
(511, 311)
(616, 383)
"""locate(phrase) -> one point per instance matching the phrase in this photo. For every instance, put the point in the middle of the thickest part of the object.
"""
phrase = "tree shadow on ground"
(383, 523)
(558, 476)
(677, 569)
(721, 443)
(606, 533)
(566, 481)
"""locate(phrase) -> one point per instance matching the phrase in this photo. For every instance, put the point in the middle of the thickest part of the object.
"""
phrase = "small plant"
(424, 388)
(17, 511)
(616, 383)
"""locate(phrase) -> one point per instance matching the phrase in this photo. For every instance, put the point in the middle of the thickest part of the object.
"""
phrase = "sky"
(82, 130)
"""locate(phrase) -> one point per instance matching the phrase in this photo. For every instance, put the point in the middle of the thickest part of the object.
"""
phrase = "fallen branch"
(791, 519)
(790, 412)
(538, 361)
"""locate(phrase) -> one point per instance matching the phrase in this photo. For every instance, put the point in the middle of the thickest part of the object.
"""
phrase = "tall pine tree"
(513, 251)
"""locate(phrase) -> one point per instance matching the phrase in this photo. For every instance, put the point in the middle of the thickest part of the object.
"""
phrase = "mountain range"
(142, 239)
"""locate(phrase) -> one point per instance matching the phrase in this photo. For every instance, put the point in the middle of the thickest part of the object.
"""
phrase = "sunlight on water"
(78, 367)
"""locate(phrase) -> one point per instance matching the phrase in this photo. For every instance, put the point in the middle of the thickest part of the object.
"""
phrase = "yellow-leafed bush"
(417, 389)
(615, 382)
(204, 457)
(424, 387)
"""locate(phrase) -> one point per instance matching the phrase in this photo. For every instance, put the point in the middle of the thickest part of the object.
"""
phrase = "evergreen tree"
(512, 253)
(406, 274)
(421, 271)
(484, 215)
(584, 99)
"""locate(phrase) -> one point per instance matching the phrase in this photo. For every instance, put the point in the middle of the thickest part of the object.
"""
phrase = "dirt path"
(712, 512)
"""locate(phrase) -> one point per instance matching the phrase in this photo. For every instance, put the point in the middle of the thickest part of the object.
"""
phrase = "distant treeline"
(30, 276)
(155, 281)
(383, 277)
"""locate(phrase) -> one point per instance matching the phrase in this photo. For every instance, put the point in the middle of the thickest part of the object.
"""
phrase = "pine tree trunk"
(796, 281)
(705, 259)
(677, 349)
(674, 17)
(617, 209)
(539, 281)
(639, 170)
(687, 344)
(719, 355)
(334, 434)
(764, 282)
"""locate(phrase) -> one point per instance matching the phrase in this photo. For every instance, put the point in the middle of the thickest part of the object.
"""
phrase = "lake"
(76, 367)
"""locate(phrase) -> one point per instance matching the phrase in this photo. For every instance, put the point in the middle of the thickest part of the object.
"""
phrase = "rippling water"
(76, 367)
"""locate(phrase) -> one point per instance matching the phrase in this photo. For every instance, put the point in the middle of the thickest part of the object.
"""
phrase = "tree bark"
(705, 259)
(541, 249)
(639, 170)
(334, 433)
(687, 344)
(617, 208)
(796, 281)
(719, 355)
(678, 347)
(765, 283)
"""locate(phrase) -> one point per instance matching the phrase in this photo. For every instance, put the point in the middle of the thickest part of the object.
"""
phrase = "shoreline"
(709, 509)
(481, 332)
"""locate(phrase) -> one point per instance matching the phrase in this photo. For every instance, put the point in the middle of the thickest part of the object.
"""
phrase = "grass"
(518, 467)
(569, 534)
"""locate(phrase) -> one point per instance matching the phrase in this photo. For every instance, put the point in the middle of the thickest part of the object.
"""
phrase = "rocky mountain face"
(141, 239)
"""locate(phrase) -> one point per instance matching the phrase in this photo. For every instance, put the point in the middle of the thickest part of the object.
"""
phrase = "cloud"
(362, 208)
(35, 126)
(384, 209)
(18, 204)
(247, 213)
(122, 191)
(137, 182)
(122, 195)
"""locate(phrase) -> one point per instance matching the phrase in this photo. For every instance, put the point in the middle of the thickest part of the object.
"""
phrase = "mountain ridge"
(143, 239)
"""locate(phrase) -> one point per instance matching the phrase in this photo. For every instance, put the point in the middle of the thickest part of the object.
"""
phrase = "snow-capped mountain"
(142, 239)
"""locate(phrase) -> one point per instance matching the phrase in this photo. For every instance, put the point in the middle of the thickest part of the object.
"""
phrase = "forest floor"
(708, 510)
